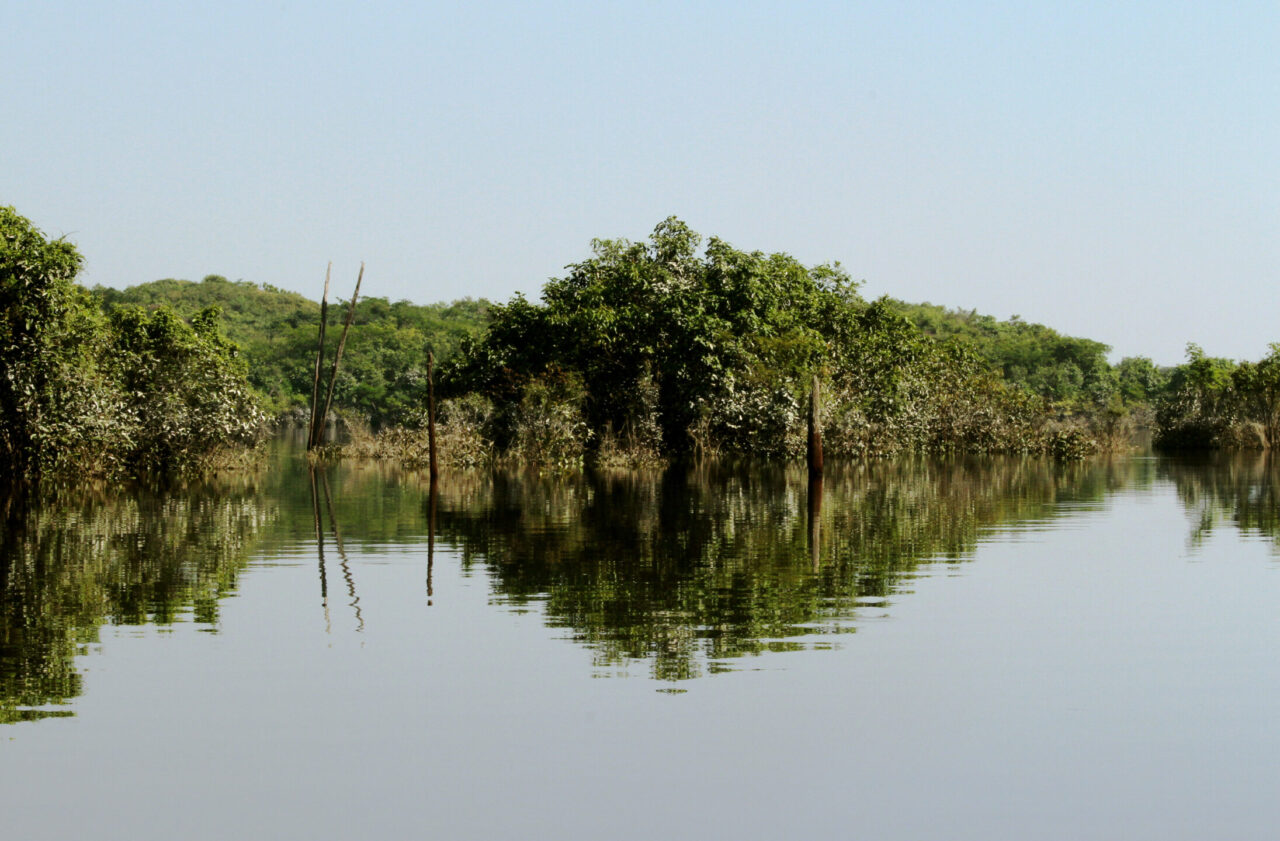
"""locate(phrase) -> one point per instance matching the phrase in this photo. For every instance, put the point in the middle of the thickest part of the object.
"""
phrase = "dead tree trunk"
(315, 382)
(337, 359)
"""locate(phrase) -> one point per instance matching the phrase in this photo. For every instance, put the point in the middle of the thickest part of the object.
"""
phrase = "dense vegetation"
(86, 393)
(1212, 403)
(1066, 370)
(383, 374)
(642, 351)
(653, 347)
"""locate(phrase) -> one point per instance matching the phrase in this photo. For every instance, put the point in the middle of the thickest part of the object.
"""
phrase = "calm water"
(967, 649)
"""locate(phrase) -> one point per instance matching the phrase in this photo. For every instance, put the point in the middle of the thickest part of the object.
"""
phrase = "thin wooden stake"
(435, 472)
(815, 428)
(431, 414)
(342, 343)
(315, 382)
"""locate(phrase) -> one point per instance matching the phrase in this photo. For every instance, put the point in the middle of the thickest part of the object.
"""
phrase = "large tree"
(722, 346)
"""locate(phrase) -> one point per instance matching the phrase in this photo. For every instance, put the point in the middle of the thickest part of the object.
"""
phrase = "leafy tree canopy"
(726, 341)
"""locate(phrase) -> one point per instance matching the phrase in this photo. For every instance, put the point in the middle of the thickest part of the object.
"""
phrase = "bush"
(549, 427)
(186, 387)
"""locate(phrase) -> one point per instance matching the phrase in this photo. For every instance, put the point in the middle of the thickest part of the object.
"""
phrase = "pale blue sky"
(1110, 169)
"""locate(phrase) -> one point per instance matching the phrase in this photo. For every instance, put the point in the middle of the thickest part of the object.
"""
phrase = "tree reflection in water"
(70, 565)
(1242, 489)
(687, 570)
(684, 571)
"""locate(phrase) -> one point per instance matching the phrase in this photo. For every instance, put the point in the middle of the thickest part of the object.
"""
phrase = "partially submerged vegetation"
(654, 348)
(1218, 404)
(643, 352)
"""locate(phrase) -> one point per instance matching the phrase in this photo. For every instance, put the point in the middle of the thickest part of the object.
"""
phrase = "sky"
(1110, 169)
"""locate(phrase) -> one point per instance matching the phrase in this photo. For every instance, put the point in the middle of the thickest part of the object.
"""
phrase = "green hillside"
(1063, 369)
(383, 375)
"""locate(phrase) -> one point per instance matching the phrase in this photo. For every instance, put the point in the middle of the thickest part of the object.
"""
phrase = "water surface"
(998, 648)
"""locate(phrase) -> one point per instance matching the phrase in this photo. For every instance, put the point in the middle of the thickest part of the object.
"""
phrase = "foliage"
(185, 385)
(1256, 386)
(550, 431)
(1138, 380)
(709, 332)
(726, 344)
(86, 394)
(383, 373)
(56, 401)
(1213, 402)
(463, 426)
(1058, 368)
(1198, 410)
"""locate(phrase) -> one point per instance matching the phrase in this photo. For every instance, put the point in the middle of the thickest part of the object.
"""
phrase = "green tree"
(1139, 380)
(1257, 388)
(83, 394)
(56, 406)
(729, 333)
(1064, 369)
(383, 378)
(1198, 408)
(718, 351)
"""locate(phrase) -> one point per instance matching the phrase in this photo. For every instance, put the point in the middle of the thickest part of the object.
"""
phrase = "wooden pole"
(431, 414)
(815, 428)
(342, 343)
(315, 382)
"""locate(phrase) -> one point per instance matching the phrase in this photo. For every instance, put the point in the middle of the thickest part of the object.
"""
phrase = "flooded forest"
(1018, 567)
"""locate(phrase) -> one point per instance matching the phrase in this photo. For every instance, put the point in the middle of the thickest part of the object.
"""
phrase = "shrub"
(549, 427)
(186, 387)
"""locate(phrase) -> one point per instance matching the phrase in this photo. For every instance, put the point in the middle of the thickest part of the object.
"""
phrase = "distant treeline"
(1204, 403)
(1061, 369)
